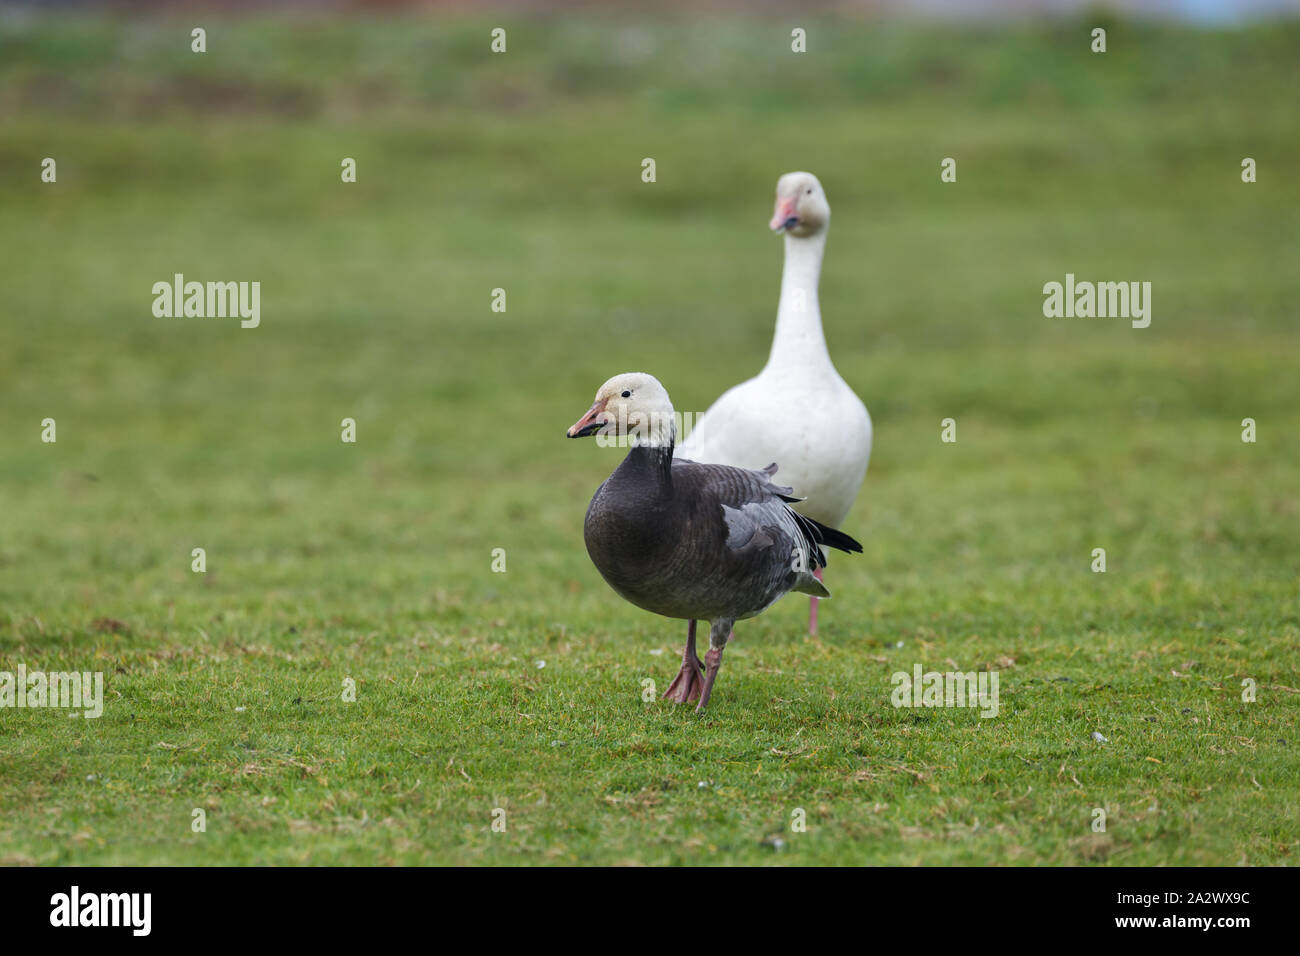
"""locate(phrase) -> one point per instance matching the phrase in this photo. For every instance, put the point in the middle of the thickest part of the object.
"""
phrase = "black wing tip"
(834, 538)
(846, 543)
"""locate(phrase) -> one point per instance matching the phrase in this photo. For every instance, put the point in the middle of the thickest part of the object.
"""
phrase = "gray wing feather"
(776, 545)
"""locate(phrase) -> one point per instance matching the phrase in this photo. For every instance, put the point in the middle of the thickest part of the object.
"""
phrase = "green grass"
(372, 561)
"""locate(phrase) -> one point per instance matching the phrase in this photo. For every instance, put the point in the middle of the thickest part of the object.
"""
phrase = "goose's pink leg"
(812, 608)
(712, 661)
(686, 685)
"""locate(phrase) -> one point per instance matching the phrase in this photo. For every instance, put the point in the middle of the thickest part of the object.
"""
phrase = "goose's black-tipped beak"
(786, 215)
(590, 423)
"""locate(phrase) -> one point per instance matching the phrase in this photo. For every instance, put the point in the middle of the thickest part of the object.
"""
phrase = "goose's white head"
(631, 406)
(801, 206)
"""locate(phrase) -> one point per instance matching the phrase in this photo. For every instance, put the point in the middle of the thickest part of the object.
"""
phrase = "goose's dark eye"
(627, 393)
(809, 190)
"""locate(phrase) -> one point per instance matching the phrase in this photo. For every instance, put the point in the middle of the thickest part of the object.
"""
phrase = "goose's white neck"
(798, 342)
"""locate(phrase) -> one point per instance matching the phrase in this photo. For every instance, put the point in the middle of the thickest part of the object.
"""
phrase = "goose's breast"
(817, 431)
(651, 558)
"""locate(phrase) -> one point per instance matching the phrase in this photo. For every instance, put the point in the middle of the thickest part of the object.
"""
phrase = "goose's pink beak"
(786, 215)
(590, 423)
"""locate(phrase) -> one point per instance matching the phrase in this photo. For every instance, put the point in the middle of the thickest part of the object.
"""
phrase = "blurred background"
(521, 171)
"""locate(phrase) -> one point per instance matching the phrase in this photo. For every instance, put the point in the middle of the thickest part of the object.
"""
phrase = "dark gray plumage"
(696, 541)
(690, 540)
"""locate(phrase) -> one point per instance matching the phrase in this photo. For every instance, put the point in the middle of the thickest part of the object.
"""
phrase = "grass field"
(373, 561)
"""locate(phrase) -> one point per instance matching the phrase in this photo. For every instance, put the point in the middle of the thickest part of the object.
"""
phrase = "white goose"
(798, 411)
